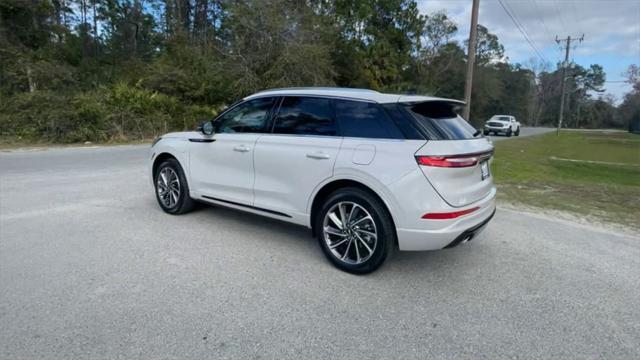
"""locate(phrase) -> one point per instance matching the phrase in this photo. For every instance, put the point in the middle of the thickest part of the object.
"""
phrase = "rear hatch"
(455, 159)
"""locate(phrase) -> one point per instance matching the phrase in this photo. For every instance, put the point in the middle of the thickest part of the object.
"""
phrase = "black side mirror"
(206, 128)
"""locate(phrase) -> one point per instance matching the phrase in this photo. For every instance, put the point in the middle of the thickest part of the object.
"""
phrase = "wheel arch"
(163, 156)
(328, 188)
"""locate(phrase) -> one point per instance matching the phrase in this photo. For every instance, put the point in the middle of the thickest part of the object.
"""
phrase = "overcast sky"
(611, 30)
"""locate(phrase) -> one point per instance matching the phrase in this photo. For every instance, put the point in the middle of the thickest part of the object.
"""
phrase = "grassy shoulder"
(593, 175)
(14, 144)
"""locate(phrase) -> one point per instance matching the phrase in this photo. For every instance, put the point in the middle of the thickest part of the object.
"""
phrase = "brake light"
(449, 215)
(443, 161)
(453, 161)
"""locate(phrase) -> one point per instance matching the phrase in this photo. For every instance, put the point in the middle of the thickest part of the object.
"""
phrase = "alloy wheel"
(168, 187)
(349, 232)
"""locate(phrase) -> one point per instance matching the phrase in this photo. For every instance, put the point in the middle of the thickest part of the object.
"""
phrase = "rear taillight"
(453, 161)
(449, 215)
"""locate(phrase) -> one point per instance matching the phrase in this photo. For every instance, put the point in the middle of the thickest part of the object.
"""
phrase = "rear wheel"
(355, 230)
(172, 190)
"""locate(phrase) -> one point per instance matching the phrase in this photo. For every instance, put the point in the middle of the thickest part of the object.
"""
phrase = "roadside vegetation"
(594, 175)
(114, 70)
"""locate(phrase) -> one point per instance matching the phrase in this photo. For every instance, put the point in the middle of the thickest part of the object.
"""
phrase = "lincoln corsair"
(367, 172)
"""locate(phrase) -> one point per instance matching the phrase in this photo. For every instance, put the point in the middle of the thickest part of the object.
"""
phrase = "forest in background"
(119, 70)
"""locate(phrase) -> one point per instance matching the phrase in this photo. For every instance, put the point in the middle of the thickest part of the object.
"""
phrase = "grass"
(11, 144)
(527, 171)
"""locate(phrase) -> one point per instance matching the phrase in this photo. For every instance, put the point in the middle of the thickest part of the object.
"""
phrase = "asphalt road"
(524, 131)
(91, 268)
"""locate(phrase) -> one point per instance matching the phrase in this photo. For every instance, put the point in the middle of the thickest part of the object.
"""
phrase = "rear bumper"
(448, 233)
(471, 233)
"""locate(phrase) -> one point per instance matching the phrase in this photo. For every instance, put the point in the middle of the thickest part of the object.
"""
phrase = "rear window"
(440, 121)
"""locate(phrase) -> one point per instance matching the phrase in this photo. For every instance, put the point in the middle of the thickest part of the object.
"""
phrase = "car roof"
(349, 93)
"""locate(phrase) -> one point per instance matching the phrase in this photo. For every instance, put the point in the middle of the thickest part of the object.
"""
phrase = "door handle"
(319, 156)
(241, 148)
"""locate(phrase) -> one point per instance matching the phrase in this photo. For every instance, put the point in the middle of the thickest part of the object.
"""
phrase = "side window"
(248, 117)
(305, 116)
(365, 120)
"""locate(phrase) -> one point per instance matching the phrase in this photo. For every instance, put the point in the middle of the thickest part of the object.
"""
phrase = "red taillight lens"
(453, 161)
(443, 161)
(448, 215)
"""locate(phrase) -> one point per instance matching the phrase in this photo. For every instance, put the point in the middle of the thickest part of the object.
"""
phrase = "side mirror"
(206, 128)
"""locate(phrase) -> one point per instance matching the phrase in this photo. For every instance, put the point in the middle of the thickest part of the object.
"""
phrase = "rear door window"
(305, 116)
(364, 120)
(439, 121)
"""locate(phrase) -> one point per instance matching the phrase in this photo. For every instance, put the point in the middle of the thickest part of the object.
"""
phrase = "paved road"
(90, 268)
(524, 131)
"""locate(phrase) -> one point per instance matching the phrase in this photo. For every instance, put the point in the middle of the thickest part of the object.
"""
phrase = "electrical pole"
(567, 48)
(471, 58)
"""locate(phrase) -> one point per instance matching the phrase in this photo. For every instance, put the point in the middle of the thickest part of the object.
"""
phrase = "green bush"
(118, 113)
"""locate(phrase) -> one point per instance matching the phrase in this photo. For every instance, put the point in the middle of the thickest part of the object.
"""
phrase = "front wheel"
(509, 132)
(172, 190)
(355, 230)
(517, 131)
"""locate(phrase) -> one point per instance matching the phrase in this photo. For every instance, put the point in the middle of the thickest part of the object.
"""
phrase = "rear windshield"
(440, 121)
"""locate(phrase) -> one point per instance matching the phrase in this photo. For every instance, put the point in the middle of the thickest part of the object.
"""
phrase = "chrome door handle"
(241, 148)
(319, 156)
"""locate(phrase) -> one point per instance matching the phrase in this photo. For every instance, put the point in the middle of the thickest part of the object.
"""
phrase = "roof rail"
(320, 88)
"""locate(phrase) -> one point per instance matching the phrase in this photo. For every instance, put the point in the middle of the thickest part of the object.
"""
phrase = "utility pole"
(567, 48)
(471, 58)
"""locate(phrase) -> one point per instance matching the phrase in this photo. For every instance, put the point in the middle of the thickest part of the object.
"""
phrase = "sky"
(611, 31)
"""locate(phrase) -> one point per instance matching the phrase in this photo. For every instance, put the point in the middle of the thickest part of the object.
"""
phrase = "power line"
(559, 13)
(575, 11)
(522, 31)
(541, 18)
(515, 15)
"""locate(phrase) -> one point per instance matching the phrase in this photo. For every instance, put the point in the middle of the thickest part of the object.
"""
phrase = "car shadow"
(274, 231)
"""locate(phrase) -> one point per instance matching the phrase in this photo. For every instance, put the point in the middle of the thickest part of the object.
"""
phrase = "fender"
(364, 179)
(177, 147)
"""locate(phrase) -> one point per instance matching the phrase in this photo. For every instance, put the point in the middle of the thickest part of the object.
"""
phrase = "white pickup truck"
(502, 124)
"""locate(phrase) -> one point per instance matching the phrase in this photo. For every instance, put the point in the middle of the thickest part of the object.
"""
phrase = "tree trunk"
(32, 83)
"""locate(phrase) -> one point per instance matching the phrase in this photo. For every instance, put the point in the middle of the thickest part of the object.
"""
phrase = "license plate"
(484, 169)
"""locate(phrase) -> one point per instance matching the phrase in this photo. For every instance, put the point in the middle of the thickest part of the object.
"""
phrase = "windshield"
(503, 118)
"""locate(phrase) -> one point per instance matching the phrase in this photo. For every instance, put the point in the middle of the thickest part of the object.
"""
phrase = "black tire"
(184, 203)
(384, 228)
(485, 132)
(517, 131)
(509, 132)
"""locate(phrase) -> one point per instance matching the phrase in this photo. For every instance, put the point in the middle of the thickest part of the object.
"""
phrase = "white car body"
(281, 175)
(502, 124)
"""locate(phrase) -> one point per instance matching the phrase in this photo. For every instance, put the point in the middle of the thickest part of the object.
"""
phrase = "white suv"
(366, 171)
(502, 124)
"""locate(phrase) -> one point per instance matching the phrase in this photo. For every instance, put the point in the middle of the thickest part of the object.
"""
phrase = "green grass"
(526, 172)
